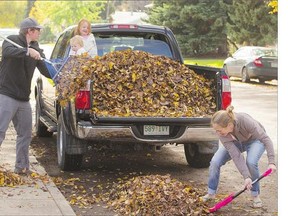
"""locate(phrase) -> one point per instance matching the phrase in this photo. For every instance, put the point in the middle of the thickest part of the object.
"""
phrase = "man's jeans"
(254, 150)
(20, 114)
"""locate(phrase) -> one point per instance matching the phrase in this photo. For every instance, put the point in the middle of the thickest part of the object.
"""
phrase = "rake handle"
(232, 196)
(19, 46)
(266, 173)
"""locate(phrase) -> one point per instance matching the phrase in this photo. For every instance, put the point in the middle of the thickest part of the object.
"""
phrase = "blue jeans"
(254, 150)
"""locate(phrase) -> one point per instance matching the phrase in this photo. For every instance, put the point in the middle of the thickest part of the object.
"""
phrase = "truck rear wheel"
(196, 159)
(65, 142)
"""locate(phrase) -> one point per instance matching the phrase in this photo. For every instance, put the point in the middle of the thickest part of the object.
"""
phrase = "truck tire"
(41, 129)
(196, 159)
(65, 142)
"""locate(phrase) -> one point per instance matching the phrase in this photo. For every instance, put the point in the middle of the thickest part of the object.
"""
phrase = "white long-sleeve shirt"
(90, 45)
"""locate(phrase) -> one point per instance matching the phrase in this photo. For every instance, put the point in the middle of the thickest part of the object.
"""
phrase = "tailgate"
(153, 120)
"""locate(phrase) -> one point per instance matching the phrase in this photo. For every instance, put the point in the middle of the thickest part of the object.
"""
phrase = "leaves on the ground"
(136, 83)
(142, 195)
(155, 195)
(10, 179)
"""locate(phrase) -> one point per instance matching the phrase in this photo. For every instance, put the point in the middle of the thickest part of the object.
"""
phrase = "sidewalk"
(39, 198)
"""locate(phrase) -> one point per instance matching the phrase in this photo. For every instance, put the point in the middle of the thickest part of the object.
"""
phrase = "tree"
(29, 7)
(60, 14)
(199, 25)
(128, 5)
(273, 4)
(15, 11)
(249, 22)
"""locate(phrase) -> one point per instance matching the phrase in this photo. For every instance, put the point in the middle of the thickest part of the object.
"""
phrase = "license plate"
(156, 130)
(274, 64)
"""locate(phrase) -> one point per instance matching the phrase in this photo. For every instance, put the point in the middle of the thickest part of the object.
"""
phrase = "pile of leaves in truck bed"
(136, 83)
(155, 195)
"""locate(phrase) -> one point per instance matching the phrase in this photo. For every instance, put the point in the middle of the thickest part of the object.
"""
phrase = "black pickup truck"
(75, 126)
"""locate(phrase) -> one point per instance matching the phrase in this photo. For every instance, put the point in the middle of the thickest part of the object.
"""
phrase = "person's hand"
(34, 54)
(273, 167)
(248, 184)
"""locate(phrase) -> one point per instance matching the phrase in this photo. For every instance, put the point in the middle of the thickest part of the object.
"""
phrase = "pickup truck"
(76, 127)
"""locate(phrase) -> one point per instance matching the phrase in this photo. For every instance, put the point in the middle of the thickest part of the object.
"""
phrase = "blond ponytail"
(223, 117)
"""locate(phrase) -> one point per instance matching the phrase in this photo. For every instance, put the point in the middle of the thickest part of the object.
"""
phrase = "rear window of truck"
(153, 43)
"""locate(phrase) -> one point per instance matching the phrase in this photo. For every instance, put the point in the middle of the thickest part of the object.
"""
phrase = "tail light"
(257, 62)
(82, 100)
(123, 26)
(226, 92)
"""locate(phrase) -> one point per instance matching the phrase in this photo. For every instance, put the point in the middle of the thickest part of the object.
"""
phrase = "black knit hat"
(30, 23)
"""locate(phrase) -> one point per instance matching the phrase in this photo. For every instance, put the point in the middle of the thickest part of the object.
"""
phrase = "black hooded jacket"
(17, 69)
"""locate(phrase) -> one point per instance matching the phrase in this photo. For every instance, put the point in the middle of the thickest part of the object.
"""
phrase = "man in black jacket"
(16, 72)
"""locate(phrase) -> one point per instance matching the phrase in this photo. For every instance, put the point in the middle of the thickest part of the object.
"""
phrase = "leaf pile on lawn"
(136, 83)
(155, 195)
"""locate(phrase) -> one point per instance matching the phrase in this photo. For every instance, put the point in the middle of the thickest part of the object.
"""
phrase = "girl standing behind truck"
(84, 30)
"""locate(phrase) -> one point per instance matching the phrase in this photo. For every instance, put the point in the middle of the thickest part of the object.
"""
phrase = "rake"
(232, 196)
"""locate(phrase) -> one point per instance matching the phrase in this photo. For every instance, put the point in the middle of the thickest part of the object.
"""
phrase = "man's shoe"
(208, 197)
(23, 171)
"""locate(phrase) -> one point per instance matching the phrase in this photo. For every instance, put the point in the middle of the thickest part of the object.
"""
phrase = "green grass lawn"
(205, 62)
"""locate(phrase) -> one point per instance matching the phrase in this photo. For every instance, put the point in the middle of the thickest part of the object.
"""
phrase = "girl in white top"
(77, 45)
(84, 30)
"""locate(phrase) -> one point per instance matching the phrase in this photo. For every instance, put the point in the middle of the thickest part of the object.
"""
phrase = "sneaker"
(23, 171)
(208, 197)
(257, 203)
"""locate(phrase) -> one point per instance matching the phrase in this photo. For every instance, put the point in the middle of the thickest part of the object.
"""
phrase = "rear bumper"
(125, 134)
(265, 73)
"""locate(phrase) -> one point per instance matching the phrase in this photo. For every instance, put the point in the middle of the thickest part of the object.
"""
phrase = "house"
(129, 17)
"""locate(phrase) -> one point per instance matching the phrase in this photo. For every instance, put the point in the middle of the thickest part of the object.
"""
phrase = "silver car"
(253, 62)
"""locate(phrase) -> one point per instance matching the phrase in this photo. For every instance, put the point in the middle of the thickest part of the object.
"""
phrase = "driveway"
(103, 167)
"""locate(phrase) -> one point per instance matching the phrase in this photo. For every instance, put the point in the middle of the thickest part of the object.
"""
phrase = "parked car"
(253, 62)
(6, 32)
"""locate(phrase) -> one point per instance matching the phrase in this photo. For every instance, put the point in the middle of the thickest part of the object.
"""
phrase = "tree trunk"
(30, 4)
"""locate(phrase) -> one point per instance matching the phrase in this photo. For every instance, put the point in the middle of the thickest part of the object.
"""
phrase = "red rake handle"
(229, 199)
(268, 172)
(222, 203)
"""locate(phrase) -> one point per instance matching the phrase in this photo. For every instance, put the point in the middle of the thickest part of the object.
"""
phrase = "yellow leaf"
(134, 76)
(110, 64)
(119, 87)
